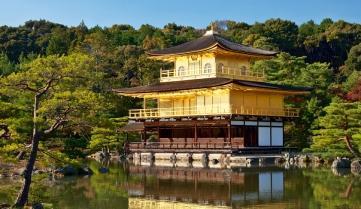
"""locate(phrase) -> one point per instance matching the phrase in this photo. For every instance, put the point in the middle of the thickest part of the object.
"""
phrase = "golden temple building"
(211, 99)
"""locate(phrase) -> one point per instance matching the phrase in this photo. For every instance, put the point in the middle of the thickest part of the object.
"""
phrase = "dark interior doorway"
(250, 136)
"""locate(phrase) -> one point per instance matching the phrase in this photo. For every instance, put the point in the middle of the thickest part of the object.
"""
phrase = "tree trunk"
(24, 192)
(348, 139)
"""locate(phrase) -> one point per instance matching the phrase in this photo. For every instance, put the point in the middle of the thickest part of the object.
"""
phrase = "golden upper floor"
(210, 65)
(212, 97)
(208, 57)
(228, 100)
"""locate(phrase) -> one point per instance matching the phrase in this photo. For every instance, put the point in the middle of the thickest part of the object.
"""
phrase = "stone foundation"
(201, 160)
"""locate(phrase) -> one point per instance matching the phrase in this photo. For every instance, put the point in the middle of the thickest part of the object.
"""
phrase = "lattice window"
(207, 68)
(181, 71)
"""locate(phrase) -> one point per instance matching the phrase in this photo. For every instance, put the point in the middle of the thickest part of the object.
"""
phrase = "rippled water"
(130, 186)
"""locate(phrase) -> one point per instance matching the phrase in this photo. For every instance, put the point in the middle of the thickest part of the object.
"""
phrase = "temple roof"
(132, 127)
(209, 41)
(205, 83)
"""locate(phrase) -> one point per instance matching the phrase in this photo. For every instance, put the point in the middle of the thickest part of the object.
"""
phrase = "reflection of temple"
(140, 203)
(204, 186)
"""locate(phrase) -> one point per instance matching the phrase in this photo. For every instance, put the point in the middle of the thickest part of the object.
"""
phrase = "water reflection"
(136, 187)
(209, 186)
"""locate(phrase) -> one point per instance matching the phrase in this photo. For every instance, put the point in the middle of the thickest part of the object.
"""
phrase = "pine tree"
(60, 90)
(340, 129)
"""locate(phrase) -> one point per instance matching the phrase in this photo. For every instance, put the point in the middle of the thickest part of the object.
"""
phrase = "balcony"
(178, 112)
(241, 73)
(175, 75)
(211, 110)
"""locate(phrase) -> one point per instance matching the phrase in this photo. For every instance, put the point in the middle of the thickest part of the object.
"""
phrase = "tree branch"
(25, 86)
(5, 128)
(55, 126)
(47, 86)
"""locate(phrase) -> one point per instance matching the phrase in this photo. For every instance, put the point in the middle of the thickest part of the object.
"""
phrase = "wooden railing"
(211, 110)
(184, 145)
(186, 74)
(257, 111)
(179, 111)
(236, 147)
(241, 73)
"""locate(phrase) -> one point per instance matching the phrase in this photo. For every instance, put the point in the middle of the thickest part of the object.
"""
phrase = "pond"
(135, 187)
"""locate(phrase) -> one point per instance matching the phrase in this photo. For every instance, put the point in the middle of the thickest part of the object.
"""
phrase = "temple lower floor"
(214, 132)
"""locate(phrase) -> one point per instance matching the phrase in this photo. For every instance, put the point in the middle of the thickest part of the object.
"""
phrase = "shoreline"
(15, 170)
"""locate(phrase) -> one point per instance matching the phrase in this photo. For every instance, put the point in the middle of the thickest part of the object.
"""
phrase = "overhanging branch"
(55, 126)
(6, 132)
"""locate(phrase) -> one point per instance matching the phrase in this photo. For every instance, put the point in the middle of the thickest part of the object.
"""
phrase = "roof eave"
(181, 53)
(247, 53)
(158, 56)
(285, 90)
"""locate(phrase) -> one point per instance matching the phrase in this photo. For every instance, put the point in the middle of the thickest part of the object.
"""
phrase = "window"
(207, 68)
(181, 71)
(220, 67)
(277, 136)
(212, 132)
(243, 70)
(183, 132)
(165, 133)
(237, 131)
(264, 136)
(194, 67)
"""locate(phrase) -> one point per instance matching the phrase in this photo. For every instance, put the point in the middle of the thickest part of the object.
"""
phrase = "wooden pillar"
(144, 103)
(158, 132)
(195, 132)
(144, 136)
(229, 130)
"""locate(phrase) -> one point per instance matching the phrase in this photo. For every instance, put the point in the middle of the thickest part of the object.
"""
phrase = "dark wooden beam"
(189, 123)
(195, 133)
(229, 130)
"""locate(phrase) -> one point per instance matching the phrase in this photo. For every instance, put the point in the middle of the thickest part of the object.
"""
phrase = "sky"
(196, 13)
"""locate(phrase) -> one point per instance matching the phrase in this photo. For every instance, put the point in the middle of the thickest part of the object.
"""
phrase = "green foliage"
(353, 62)
(59, 42)
(351, 80)
(6, 67)
(74, 147)
(291, 70)
(68, 102)
(308, 29)
(10, 149)
(108, 135)
(341, 120)
(261, 42)
(56, 158)
(282, 32)
(104, 137)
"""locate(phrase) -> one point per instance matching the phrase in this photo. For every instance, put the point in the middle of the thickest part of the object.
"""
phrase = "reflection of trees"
(98, 191)
(8, 190)
(330, 191)
(303, 188)
(70, 190)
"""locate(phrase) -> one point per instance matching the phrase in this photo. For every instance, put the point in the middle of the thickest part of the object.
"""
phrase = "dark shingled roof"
(132, 127)
(204, 83)
(208, 41)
